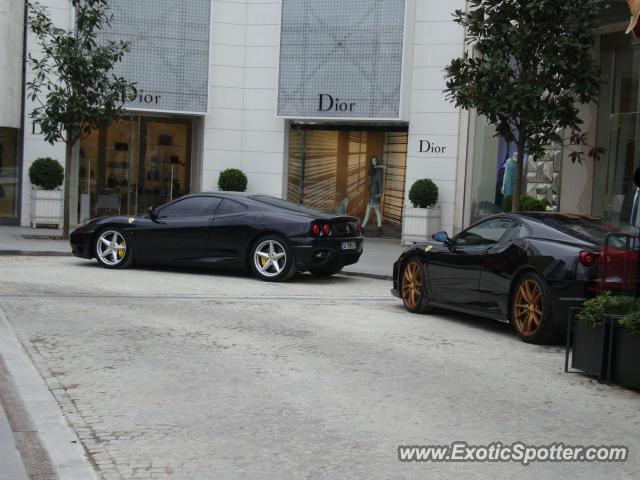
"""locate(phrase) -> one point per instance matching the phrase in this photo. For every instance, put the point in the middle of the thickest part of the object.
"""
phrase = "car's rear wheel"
(413, 286)
(113, 249)
(272, 259)
(532, 310)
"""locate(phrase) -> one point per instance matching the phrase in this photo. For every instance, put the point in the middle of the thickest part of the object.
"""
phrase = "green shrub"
(631, 323)
(424, 194)
(527, 204)
(232, 180)
(46, 173)
(606, 303)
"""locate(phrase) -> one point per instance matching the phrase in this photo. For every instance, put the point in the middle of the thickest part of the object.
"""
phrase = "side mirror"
(441, 237)
(152, 213)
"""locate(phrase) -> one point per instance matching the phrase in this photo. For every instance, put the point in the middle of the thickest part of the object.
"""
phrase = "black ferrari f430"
(271, 237)
(527, 269)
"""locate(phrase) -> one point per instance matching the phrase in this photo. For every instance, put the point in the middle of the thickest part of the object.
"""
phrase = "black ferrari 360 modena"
(271, 237)
(527, 269)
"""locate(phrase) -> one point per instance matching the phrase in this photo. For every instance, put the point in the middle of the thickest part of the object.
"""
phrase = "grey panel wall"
(169, 56)
(341, 58)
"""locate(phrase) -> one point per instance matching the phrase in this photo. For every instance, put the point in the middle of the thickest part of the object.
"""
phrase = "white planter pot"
(46, 207)
(419, 224)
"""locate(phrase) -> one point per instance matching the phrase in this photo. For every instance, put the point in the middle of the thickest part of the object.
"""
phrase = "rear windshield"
(294, 207)
(586, 229)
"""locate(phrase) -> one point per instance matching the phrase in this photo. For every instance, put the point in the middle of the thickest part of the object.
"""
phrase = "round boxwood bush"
(424, 194)
(46, 173)
(232, 180)
(527, 204)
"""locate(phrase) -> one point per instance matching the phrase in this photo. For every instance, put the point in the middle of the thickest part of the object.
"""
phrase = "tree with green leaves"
(531, 68)
(73, 86)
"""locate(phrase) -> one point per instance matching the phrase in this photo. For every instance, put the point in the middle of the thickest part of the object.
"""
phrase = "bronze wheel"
(528, 307)
(413, 287)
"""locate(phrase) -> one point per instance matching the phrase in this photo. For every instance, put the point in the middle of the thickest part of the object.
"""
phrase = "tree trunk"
(67, 189)
(517, 189)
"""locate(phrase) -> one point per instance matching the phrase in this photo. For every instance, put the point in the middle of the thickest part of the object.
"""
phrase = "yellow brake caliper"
(121, 252)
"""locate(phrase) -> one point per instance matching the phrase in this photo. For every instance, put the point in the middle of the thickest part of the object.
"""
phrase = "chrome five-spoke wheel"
(270, 258)
(111, 248)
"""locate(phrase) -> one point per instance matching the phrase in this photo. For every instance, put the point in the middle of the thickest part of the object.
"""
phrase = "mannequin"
(508, 183)
(376, 171)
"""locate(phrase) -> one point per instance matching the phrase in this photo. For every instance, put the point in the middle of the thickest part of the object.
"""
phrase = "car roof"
(539, 223)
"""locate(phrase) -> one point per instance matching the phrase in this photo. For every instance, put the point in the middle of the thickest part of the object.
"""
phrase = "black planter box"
(590, 349)
(625, 368)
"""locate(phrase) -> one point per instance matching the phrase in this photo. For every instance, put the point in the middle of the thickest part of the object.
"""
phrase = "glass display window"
(9, 175)
(132, 165)
(332, 170)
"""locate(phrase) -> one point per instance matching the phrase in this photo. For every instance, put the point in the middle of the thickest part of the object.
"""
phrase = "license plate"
(349, 246)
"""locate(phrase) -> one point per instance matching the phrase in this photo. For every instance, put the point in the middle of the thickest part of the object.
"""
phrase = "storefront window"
(493, 176)
(618, 130)
(8, 174)
(132, 165)
(331, 170)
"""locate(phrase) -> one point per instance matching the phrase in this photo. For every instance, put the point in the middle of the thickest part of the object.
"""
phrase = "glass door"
(133, 164)
(8, 174)
(164, 167)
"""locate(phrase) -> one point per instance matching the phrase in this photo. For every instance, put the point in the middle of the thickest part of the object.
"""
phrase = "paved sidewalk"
(32, 241)
(377, 260)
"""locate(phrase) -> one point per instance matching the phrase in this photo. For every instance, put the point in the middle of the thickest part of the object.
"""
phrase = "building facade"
(301, 95)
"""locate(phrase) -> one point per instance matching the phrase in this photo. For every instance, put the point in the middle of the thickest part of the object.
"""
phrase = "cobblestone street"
(186, 374)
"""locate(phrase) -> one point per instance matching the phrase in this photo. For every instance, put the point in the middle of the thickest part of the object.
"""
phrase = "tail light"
(588, 259)
(321, 230)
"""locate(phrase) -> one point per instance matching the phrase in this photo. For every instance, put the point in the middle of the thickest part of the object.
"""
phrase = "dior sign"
(341, 59)
(429, 146)
(169, 58)
(328, 102)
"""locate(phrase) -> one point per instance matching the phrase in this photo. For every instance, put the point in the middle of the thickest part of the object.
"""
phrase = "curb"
(32, 253)
(373, 276)
(58, 439)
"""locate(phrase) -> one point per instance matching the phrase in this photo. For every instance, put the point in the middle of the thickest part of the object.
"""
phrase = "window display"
(8, 173)
(132, 165)
(352, 172)
(493, 174)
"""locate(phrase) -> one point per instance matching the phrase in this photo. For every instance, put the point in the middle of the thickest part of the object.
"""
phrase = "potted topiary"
(625, 368)
(422, 219)
(46, 176)
(590, 333)
(232, 180)
(608, 322)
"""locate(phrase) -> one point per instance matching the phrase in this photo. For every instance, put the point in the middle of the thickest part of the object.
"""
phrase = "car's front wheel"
(532, 310)
(113, 249)
(272, 259)
(413, 286)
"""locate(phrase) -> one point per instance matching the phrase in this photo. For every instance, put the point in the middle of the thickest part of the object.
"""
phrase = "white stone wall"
(11, 34)
(436, 41)
(241, 128)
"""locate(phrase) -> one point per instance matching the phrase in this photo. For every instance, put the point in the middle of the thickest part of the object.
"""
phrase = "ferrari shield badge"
(429, 248)
(132, 220)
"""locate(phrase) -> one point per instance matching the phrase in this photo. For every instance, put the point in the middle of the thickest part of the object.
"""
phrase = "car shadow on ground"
(209, 270)
(478, 323)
